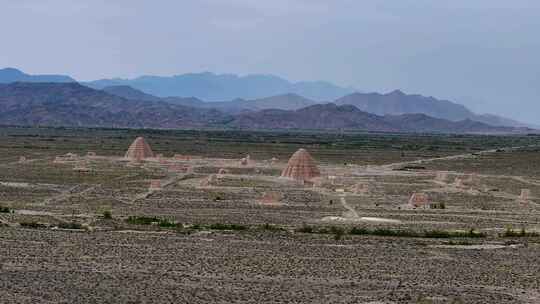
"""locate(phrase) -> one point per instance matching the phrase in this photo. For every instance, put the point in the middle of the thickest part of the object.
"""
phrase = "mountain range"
(213, 87)
(397, 102)
(9, 75)
(284, 102)
(331, 117)
(393, 103)
(224, 92)
(72, 104)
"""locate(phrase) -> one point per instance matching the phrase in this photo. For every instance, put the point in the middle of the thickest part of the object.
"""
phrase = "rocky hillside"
(331, 116)
(71, 104)
(397, 103)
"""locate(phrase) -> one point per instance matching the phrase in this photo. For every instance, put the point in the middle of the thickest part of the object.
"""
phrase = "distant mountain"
(397, 103)
(71, 104)
(130, 93)
(284, 102)
(331, 117)
(289, 101)
(10, 75)
(320, 116)
(496, 120)
(213, 87)
(421, 123)
(235, 106)
(255, 89)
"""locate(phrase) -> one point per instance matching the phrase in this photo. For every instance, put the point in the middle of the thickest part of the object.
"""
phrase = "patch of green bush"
(519, 233)
(306, 229)
(219, 226)
(425, 234)
(5, 210)
(70, 225)
(270, 227)
(142, 220)
(107, 214)
(149, 220)
(33, 225)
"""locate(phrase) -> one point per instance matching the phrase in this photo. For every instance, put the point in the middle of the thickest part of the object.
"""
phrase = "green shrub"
(33, 225)
(142, 220)
(107, 214)
(70, 225)
(437, 206)
(306, 229)
(271, 227)
(146, 220)
(407, 233)
(338, 232)
(164, 223)
(521, 233)
(358, 231)
(219, 226)
(5, 210)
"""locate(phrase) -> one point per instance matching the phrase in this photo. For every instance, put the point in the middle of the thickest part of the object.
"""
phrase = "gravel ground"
(44, 266)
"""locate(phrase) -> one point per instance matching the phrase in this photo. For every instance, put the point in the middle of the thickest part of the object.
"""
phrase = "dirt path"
(352, 212)
(454, 157)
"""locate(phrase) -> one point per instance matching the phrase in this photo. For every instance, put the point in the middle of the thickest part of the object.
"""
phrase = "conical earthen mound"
(139, 150)
(301, 167)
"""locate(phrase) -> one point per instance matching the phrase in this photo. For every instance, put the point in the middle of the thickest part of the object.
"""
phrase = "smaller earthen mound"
(360, 188)
(245, 161)
(139, 150)
(419, 199)
(155, 184)
(211, 180)
(524, 196)
(223, 171)
(271, 198)
(301, 167)
(441, 177)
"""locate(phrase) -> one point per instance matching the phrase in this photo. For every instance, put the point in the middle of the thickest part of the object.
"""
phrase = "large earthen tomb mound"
(139, 150)
(301, 167)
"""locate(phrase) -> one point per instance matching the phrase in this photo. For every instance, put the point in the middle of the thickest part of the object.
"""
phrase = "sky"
(481, 53)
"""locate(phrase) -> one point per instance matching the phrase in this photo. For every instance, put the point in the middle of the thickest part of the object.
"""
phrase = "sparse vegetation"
(219, 226)
(70, 225)
(107, 214)
(146, 220)
(270, 227)
(437, 206)
(509, 233)
(33, 225)
(230, 238)
(5, 210)
(142, 220)
(425, 234)
(306, 229)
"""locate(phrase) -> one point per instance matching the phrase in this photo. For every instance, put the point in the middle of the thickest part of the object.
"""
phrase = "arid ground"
(80, 227)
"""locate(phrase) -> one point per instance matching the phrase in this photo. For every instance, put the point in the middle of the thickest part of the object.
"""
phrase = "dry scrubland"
(103, 236)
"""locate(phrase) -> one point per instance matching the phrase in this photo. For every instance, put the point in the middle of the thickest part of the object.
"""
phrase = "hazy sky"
(482, 53)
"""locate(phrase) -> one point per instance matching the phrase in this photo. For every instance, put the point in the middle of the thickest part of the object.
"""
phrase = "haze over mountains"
(8, 75)
(393, 103)
(395, 111)
(212, 87)
(72, 104)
